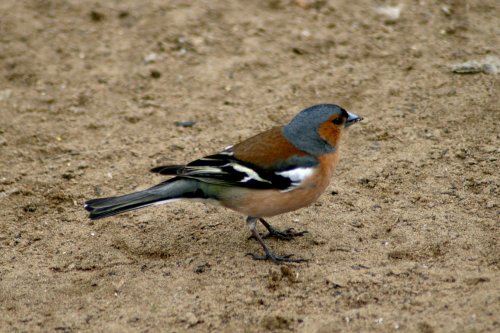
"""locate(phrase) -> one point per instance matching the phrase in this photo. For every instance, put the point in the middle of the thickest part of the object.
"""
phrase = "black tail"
(175, 188)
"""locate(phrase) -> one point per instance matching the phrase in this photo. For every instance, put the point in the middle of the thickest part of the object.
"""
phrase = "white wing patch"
(297, 176)
(227, 151)
(251, 174)
(206, 169)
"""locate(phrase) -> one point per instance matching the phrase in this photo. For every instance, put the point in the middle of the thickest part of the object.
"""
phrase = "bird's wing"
(225, 168)
(266, 161)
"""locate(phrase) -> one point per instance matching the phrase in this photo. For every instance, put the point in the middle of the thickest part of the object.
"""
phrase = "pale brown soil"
(405, 239)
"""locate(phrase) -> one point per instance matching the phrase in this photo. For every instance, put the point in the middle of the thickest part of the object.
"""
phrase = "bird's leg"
(287, 234)
(269, 255)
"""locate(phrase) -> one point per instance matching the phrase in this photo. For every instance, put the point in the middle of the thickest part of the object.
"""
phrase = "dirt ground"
(405, 239)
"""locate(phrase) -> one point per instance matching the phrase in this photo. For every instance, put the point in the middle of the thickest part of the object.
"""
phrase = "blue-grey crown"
(303, 133)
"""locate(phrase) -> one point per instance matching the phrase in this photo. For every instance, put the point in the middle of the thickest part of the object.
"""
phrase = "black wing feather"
(225, 169)
(167, 169)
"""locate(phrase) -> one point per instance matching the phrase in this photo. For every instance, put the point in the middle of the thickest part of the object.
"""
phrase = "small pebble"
(188, 123)
(96, 16)
(487, 65)
(190, 318)
(155, 74)
(4, 94)
(150, 57)
(391, 13)
(201, 268)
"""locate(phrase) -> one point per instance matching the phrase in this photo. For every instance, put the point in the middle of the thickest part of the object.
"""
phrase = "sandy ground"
(405, 239)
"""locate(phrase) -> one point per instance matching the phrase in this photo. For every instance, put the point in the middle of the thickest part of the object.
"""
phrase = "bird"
(277, 171)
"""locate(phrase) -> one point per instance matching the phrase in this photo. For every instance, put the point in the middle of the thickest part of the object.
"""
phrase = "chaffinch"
(271, 173)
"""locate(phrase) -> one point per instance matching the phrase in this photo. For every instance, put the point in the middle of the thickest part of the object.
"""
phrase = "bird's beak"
(352, 119)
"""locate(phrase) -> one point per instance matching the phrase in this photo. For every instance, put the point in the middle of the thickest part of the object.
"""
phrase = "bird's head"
(318, 129)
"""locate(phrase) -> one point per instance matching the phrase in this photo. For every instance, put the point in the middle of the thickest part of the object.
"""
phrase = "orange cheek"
(330, 133)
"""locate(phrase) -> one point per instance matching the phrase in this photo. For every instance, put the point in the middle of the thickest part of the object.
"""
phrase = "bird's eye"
(338, 121)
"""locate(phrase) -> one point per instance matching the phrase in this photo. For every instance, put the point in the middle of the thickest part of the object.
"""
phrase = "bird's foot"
(275, 258)
(287, 234)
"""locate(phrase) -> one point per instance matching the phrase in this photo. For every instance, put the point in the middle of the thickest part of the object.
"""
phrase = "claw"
(274, 258)
(287, 234)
